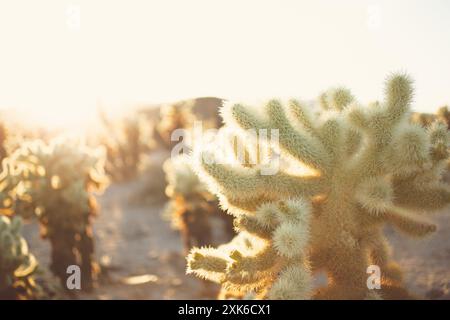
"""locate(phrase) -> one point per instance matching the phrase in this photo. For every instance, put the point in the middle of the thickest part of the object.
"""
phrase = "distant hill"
(203, 107)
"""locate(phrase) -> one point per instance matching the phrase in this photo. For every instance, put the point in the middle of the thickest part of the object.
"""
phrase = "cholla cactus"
(191, 205)
(443, 115)
(125, 144)
(423, 119)
(54, 183)
(17, 265)
(366, 167)
(173, 117)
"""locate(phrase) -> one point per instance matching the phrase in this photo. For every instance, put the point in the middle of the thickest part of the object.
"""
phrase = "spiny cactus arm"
(378, 248)
(375, 195)
(251, 269)
(302, 114)
(357, 116)
(290, 239)
(352, 142)
(253, 226)
(261, 260)
(240, 206)
(409, 223)
(268, 258)
(294, 283)
(429, 198)
(331, 133)
(408, 152)
(339, 98)
(246, 183)
(237, 115)
(323, 101)
(305, 147)
(243, 155)
(207, 263)
(381, 121)
(300, 144)
(234, 268)
(399, 94)
(335, 99)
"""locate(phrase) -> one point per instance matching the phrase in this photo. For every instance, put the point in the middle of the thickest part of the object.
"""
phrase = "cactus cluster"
(54, 183)
(173, 117)
(443, 115)
(191, 205)
(17, 264)
(423, 119)
(125, 144)
(345, 173)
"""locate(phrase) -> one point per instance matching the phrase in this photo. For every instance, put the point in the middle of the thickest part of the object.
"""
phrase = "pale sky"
(56, 67)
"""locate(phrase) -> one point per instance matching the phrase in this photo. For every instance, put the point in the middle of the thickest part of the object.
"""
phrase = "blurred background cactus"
(173, 117)
(426, 119)
(54, 183)
(17, 264)
(3, 141)
(360, 168)
(423, 119)
(183, 114)
(126, 142)
(443, 115)
(192, 207)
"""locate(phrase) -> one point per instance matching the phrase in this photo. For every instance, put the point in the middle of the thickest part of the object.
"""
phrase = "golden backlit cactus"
(54, 183)
(266, 258)
(17, 264)
(361, 168)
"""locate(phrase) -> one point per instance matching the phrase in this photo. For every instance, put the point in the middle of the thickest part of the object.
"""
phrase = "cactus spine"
(367, 167)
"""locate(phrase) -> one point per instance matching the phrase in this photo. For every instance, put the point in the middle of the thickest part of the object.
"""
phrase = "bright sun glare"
(58, 59)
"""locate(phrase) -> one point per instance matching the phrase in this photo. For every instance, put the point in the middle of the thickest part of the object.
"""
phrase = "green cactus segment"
(363, 167)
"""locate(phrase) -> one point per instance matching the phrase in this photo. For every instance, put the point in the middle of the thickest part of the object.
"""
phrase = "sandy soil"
(143, 258)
